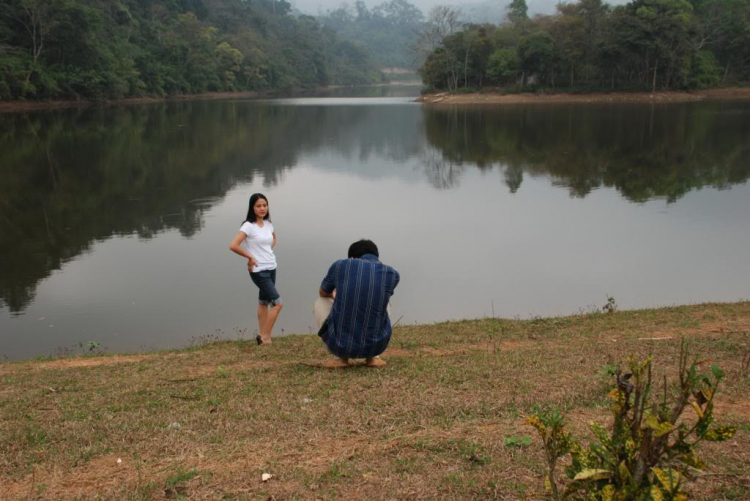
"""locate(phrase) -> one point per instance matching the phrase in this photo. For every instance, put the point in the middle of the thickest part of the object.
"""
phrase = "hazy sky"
(535, 6)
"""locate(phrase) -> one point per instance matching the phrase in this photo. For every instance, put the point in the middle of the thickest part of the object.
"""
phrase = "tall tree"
(518, 12)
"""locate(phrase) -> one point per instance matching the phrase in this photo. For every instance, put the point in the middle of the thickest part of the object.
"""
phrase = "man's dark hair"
(362, 247)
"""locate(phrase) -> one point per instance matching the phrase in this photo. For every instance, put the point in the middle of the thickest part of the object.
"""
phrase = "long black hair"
(251, 217)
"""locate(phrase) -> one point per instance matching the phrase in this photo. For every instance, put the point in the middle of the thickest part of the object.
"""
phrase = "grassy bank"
(207, 422)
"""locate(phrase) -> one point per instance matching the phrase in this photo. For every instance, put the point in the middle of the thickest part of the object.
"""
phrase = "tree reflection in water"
(75, 177)
(643, 151)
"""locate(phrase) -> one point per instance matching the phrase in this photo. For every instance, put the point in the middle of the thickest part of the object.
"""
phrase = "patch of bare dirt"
(76, 363)
(614, 97)
(739, 407)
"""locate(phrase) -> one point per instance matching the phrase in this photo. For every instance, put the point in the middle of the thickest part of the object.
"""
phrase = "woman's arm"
(235, 247)
(273, 244)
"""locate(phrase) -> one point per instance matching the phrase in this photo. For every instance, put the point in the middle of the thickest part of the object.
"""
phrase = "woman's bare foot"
(265, 340)
(336, 363)
(375, 362)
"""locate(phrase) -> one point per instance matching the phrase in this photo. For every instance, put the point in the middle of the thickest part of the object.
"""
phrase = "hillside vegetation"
(101, 49)
(589, 45)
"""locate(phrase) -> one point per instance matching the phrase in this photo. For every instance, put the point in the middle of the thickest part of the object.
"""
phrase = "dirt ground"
(445, 419)
(445, 98)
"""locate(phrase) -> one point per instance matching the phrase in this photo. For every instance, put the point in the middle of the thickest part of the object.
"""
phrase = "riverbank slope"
(445, 98)
(207, 422)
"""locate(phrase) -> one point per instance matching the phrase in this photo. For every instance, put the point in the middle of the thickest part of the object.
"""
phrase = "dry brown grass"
(205, 423)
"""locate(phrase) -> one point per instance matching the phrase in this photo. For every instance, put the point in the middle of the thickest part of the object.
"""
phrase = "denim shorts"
(266, 282)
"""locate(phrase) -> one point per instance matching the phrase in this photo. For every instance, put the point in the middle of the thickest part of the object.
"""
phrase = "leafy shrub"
(647, 454)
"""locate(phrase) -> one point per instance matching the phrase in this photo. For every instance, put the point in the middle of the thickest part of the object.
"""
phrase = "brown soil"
(614, 97)
(431, 425)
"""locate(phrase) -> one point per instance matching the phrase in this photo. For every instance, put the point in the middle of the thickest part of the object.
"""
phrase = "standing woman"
(255, 242)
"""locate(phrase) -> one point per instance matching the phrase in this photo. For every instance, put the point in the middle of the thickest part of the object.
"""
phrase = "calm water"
(115, 222)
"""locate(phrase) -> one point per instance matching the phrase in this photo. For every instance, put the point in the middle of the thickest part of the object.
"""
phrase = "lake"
(115, 221)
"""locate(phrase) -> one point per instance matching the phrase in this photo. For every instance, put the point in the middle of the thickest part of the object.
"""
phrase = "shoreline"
(26, 106)
(93, 357)
(445, 419)
(437, 99)
(497, 98)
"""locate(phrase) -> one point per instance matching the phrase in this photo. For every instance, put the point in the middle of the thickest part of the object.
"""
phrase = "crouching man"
(352, 310)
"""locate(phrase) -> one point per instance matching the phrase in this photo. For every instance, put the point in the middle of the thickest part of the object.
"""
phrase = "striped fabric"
(358, 326)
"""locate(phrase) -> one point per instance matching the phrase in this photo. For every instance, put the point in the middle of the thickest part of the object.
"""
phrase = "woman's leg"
(272, 313)
(270, 301)
(262, 318)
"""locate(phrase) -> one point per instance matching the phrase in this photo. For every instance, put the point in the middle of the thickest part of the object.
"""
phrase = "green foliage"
(588, 45)
(503, 66)
(74, 49)
(650, 449)
(174, 487)
(535, 52)
(514, 441)
(704, 71)
(518, 11)
(610, 306)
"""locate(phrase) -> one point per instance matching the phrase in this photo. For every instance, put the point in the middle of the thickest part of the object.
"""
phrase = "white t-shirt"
(258, 244)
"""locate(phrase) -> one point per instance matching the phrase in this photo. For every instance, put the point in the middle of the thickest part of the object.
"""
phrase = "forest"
(644, 45)
(110, 49)
(389, 31)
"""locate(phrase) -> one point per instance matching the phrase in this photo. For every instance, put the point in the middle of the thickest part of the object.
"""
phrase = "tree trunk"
(656, 65)
(572, 73)
(726, 72)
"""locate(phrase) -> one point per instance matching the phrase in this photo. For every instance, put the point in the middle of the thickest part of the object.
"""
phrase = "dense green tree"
(642, 45)
(504, 65)
(103, 49)
(518, 11)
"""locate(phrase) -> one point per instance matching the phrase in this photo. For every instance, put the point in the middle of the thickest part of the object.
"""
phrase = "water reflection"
(643, 151)
(77, 177)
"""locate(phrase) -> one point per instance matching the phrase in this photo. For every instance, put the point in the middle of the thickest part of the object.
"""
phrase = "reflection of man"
(352, 310)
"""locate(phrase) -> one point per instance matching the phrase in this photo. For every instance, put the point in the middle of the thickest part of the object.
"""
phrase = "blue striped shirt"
(358, 326)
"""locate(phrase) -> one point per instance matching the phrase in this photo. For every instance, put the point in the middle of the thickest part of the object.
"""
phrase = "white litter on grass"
(174, 426)
(266, 477)
(119, 461)
(306, 400)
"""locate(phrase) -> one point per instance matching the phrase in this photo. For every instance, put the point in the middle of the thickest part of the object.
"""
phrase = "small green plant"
(610, 306)
(651, 447)
(514, 441)
(92, 347)
(607, 371)
(174, 487)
